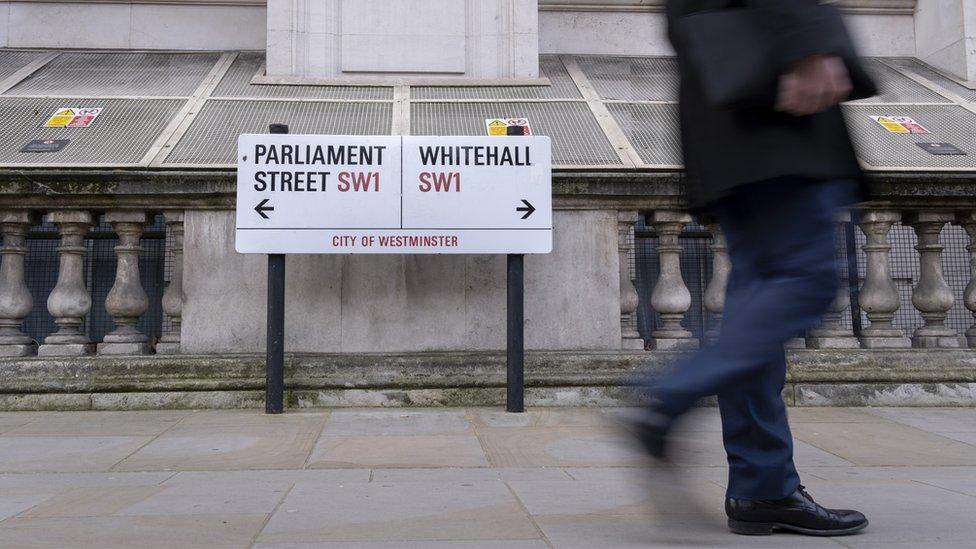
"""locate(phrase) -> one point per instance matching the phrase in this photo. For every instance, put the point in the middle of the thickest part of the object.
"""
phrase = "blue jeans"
(781, 243)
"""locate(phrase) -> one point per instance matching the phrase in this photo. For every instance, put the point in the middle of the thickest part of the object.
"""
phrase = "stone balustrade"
(879, 298)
(70, 302)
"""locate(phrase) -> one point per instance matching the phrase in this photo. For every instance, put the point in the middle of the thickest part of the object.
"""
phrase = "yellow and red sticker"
(900, 124)
(73, 117)
(499, 126)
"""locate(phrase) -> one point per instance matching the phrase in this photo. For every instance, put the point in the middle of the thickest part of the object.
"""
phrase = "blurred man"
(773, 176)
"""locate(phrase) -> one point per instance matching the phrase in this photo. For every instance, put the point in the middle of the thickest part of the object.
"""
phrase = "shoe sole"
(766, 529)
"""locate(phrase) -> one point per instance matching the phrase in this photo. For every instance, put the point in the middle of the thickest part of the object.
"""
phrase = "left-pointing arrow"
(261, 208)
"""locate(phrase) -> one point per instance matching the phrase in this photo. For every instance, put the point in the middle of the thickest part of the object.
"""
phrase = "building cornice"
(878, 7)
(244, 3)
(882, 7)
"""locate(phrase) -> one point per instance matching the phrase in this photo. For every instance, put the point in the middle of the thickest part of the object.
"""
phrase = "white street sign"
(326, 194)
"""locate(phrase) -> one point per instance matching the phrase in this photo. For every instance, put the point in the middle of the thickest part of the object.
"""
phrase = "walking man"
(773, 175)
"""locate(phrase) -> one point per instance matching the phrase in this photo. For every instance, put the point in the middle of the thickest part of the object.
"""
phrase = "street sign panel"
(404, 195)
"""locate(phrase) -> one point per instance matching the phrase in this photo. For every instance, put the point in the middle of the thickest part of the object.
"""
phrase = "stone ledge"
(816, 377)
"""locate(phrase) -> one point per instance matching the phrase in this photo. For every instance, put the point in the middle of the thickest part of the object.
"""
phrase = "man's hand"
(813, 85)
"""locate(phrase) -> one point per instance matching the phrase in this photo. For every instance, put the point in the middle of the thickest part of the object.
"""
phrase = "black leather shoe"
(651, 428)
(796, 513)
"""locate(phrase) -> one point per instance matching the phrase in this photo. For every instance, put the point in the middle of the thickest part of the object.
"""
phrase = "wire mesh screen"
(99, 274)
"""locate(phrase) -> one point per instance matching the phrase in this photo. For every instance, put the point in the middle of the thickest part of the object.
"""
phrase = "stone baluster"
(671, 298)
(169, 343)
(832, 334)
(968, 221)
(932, 296)
(718, 285)
(126, 301)
(70, 301)
(629, 300)
(879, 296)
(15, 299)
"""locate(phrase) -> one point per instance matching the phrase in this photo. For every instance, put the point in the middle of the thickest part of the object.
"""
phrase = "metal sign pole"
(274, 396)
(515, 359)
(515, 330)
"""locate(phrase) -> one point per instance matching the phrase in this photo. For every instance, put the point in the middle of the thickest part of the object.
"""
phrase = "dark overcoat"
(726, 148)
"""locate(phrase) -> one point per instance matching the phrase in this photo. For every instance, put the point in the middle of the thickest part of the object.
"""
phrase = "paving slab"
(186, 532)
(885, 444)
(832, 415)
(281, 476)
(541, 417)
(635, 531)
(468, 474)
(99, 423)
(283, 443)
(400, 544)
(383, 451)
(969, 437)
(12, 420)
(397, 422)
(65, 454)
(92, 501)
(936, 420)
(642, 498)
(12, 504)
(59, 482)
(561, 447)
(395, 511)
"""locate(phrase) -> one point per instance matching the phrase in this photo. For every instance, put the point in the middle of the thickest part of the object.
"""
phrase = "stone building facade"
(149, 188)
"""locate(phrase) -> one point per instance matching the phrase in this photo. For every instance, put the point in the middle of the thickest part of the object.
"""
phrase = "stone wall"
(403, 303)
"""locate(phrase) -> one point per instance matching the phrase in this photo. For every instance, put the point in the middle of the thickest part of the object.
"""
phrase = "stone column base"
(66, 349)
(173, 347)
(674, 343)
(936, 342)
(885, 342)
(833, 342)
(18, 349)
(628, 344)
(795, 343)
(132, 348)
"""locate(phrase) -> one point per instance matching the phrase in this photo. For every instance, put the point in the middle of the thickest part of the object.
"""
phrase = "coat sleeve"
(801, 28)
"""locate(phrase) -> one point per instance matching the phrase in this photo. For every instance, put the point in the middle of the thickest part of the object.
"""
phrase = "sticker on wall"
(900, 124)
(73, 117)
(499, 126)
(941, 148)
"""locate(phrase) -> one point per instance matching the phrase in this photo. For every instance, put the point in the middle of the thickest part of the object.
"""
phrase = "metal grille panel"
(237, 83)
(895, 87)
(919, 68)
(562, 87)
(950, 124)
(12, 61)
(653, 130)
(212, 139)
(577, 139)
(122, 134)
(119, 74)
(632, 78)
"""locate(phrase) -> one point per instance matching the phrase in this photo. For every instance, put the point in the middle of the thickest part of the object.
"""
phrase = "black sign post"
(515, 355)
(274, 395)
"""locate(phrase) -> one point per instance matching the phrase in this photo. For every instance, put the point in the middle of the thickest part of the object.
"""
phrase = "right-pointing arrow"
(528, 209)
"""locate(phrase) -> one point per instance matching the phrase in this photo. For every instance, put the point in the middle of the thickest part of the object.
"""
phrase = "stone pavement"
(465, 478)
